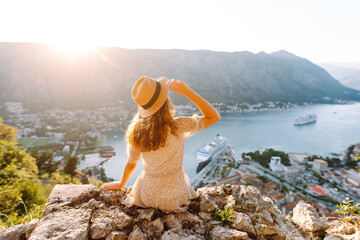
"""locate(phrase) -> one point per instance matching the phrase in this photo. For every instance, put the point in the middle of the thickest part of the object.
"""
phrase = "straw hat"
(150, 94)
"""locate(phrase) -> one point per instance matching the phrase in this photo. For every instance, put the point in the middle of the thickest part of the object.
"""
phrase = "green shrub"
(225, 216)
(348, 208)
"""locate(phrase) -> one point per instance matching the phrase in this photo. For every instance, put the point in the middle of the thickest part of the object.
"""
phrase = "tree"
(70, 165)
(44, 161)
(18, 179)
(6, 132)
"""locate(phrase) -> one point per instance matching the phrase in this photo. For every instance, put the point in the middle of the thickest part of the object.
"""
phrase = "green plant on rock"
(225, 216)
(348, 208)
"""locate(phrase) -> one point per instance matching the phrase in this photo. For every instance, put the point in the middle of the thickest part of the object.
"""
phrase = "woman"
(158, 136)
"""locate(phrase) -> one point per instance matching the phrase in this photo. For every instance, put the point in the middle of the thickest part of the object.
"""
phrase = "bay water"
(337, 127)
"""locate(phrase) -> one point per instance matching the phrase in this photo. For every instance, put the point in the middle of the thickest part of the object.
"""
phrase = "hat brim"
(159, 102)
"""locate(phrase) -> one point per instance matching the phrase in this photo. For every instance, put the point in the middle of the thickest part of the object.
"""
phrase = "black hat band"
(154, 97)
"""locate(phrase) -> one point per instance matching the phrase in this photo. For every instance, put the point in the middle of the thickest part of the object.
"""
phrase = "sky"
(319, 30)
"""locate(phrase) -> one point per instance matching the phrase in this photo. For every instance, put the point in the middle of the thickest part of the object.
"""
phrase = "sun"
(73, 48)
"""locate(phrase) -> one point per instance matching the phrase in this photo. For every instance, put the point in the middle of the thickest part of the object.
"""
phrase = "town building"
(279, 198)
(66, 150)
(320, 165)
(294, 169)
(275, 164)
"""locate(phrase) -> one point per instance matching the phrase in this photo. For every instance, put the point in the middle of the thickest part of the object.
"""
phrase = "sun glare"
(73, 48)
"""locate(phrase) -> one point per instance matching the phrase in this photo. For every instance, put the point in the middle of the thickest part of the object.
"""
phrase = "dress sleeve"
(132, 153)
(192, 125)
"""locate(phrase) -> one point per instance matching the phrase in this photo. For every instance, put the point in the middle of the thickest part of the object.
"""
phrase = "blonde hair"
(150, 133)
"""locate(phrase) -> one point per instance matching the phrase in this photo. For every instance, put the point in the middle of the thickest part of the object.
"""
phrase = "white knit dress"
(163, 183)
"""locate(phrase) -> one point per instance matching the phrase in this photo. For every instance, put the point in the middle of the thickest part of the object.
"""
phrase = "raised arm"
(211, 116)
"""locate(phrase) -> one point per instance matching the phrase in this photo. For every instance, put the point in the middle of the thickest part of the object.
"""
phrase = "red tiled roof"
(107, 154)
(20, 130)
(229, 177)
(237, 183)
(320, 161)
(279, 196)
(318, 190)
(272, 185)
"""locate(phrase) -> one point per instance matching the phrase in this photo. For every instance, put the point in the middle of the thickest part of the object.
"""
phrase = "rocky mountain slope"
(37, 74)
(352, 81)
(81, 212)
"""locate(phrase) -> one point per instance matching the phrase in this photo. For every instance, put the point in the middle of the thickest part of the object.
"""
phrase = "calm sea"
(337, 127)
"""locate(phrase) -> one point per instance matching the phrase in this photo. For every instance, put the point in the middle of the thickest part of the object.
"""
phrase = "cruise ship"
(305, 119)
(211, 149)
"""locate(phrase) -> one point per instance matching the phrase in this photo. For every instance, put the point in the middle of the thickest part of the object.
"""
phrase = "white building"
(66, 149)
(275, 164)
(320, 165)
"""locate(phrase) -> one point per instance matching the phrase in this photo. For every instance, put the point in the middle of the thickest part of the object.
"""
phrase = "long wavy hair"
(150, 133)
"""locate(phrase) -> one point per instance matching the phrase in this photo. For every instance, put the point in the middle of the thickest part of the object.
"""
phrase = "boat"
(211, 149)
(305, 119)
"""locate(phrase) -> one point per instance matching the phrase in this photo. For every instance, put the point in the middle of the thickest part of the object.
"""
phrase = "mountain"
(352, 81)
(347, 75)
(338, 72)
(38, 75)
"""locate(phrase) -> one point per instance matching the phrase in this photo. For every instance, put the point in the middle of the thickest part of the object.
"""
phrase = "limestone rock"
(116, 235)
(76, 212)
(153, 229)
(265, 216)
(16, 232)
(355, 236)
(157, 225)
(67, 223)
(249, 199)
(137, 234)
(113, 196)
(70, 195)
(205, 216)
(211, 198)
(230, 201)
(104, 221)
(171, 221)
(95, 204)
(177, 220)
(307, 217)
(181, 234)
(30, 227)
(343, 230)
(265, 230)
(332, 237)
(200, 228)
(223, 233)
(146, 214)
(243, 223)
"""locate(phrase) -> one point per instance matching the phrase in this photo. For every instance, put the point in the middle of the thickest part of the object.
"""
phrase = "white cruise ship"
(211, 149)
(305, 119)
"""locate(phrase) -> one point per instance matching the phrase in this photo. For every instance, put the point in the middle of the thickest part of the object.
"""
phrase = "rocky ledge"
(79, 212)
